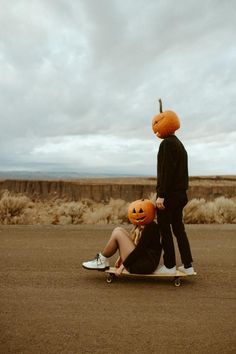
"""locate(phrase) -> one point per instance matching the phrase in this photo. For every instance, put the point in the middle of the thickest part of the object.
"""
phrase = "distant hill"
(104, 188)
(49, 175)
(73, 175)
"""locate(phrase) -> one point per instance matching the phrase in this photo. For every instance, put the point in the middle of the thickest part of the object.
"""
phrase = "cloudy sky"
(80, 82)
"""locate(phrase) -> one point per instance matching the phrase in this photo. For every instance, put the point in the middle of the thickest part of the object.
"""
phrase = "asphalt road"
(50, 304)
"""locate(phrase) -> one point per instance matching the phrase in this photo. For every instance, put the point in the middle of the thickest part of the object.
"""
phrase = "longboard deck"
(111, 275)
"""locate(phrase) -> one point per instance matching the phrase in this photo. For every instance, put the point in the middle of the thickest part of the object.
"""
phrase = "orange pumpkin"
(165, 123)
(141, 212)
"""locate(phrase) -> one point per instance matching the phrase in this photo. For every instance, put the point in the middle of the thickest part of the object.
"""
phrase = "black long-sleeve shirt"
(172, 167)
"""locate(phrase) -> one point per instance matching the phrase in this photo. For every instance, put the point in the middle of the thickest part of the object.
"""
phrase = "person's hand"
(118, 262)
(160, 203)
(119, 270)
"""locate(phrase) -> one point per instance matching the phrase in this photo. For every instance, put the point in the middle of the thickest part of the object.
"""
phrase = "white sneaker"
(98, 263)
(164, 270)
(188, 271)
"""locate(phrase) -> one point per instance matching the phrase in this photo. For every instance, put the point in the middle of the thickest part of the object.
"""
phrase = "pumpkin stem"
(160, 105)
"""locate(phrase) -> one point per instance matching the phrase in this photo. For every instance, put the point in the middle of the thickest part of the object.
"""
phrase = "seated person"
(139, 251)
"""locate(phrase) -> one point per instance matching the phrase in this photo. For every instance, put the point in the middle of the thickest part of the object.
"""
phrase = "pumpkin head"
(141, 212)
(165, 123)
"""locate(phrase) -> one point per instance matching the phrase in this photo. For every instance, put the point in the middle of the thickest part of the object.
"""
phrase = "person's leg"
(181, 236)
(119, 240)
(164, 220)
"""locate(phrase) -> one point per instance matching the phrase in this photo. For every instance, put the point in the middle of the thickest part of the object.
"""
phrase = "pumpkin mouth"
(141, 219)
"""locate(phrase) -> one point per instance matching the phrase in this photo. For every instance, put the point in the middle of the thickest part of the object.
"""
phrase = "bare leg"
(121, 241)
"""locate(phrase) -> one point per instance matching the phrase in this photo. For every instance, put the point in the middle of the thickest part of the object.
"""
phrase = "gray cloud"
(73, 71)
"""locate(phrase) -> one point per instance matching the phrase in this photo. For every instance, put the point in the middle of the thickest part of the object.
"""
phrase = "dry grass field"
(92, 201)
(19, 209)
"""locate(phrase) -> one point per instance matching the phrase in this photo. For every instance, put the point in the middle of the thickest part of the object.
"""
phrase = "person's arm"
(166, 167)
(118, 262)
(160, 203)
(119, 270)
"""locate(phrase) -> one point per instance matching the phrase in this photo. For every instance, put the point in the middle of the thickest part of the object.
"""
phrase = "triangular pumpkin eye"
(141, 210)
(134, 211)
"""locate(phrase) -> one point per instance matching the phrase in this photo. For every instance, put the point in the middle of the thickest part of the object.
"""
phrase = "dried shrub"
(219, 211)
(112, 213)
(191, 213)
(119, 211)
(226, 210)
(13, 209)
(98, 215)
(43, 213)
(71, 212)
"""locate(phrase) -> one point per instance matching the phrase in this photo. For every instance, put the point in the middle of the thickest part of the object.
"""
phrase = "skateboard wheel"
(110, 278)
(177, 282)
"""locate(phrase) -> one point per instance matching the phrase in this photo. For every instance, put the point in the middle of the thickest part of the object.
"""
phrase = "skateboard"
(176, 277)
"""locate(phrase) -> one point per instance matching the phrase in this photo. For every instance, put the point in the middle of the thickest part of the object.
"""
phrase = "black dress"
(145, 258)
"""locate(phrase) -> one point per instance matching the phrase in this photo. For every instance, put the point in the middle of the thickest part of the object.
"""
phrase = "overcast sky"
(80, 82)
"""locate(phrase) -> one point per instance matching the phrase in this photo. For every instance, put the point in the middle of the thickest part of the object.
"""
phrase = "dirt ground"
(50, 304)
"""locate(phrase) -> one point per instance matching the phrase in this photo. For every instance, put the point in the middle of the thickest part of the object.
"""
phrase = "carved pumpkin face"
(165, 124)
(141, 212)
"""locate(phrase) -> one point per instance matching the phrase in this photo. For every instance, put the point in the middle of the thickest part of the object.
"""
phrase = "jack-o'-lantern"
(165, 123)
(141, 212)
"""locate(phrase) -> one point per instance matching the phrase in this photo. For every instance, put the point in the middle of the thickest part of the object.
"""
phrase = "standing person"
(139, 251)
(172, 185)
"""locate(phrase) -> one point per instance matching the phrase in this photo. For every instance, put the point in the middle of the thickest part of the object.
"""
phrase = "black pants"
(171, 220)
